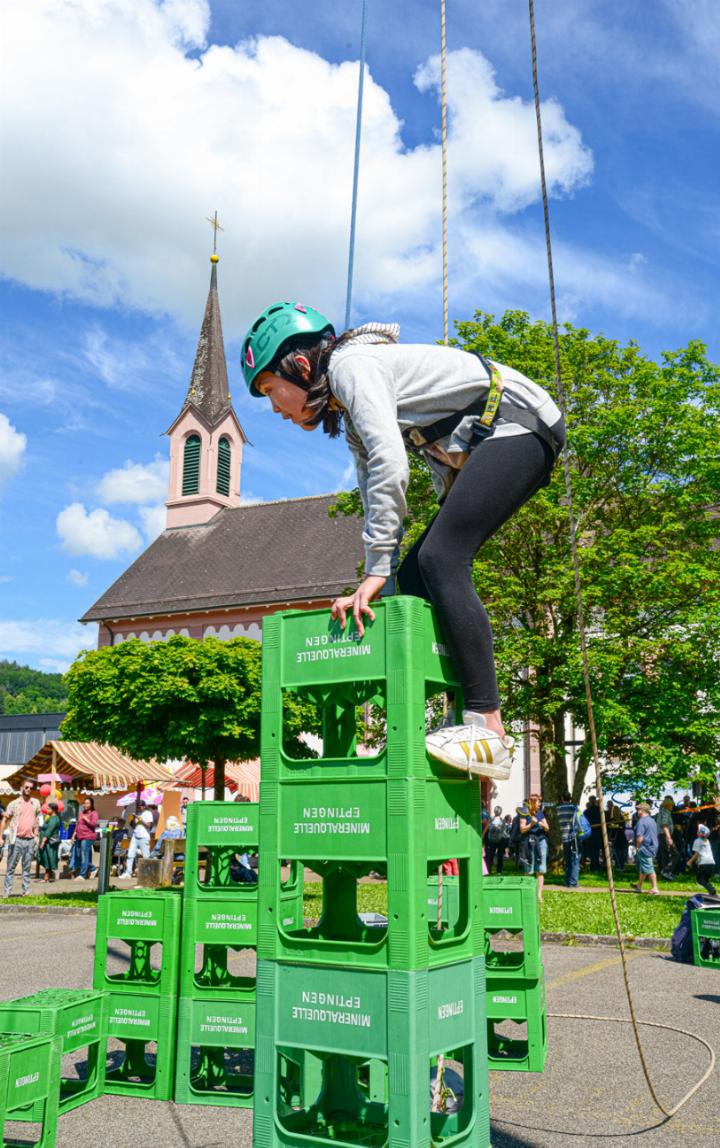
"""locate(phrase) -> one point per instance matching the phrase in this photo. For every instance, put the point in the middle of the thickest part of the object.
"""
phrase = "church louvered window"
(191, 465)
(223, 467)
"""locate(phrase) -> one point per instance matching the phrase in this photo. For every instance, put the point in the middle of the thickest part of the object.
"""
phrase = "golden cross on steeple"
(216, 227)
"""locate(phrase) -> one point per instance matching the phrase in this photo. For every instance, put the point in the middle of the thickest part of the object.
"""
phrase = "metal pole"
(104, 862)
(356, 172)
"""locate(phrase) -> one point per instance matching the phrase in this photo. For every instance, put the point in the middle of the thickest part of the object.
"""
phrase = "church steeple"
(206, 439)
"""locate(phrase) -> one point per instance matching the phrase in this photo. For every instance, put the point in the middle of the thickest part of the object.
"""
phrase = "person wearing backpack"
(495, 842)
(568, 816)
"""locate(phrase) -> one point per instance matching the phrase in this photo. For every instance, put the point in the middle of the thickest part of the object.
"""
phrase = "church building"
(219, 566)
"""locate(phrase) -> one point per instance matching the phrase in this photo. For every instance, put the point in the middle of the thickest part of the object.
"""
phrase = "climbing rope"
(443, 132)
(562, 396)
(356, 169)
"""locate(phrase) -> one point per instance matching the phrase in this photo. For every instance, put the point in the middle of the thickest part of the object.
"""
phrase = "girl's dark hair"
(92, 801)
(326, 411)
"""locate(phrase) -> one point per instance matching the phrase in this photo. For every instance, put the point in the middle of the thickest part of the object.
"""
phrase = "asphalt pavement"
(591, 1093)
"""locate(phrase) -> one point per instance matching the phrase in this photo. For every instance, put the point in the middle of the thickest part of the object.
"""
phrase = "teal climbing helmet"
(272, 332)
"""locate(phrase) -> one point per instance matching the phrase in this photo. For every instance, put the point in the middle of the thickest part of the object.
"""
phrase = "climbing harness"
(490, 403)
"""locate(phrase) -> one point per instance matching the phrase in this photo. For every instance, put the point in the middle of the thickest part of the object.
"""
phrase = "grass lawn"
(684, 883)
(640, 916)
(80, 899)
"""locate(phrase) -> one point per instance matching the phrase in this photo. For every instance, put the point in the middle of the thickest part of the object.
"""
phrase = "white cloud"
(57, 641)
(135, 482)
(12, 448)
(76, 578)
(95, 533)
(154, 520)
(4, 578)
(109, 196)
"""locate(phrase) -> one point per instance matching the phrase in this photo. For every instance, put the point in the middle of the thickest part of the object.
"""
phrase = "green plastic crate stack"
(705, 924)
(516, 1009)
(353, 1016)
(141, 1016)
(216, 1028)
(77, 1016)
(29, 1074)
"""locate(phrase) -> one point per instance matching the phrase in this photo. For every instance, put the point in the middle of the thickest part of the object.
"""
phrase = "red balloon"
(45, 790)
(45, 809)
(61, 806)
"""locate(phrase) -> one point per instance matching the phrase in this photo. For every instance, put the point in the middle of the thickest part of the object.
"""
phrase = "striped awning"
(96, 766)
(242, 776)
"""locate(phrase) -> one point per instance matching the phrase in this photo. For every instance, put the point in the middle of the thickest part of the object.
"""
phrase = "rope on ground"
(562, 396)
(652, 1024)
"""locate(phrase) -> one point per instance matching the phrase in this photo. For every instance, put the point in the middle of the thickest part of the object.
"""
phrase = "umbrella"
(150, 796)
(63, 778)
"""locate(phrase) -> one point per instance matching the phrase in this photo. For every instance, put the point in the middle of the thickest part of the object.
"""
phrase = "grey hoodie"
(386, 388)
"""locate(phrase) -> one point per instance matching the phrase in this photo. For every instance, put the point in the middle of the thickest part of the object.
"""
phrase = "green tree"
(180, 698)
(645, 465)
(26, 691)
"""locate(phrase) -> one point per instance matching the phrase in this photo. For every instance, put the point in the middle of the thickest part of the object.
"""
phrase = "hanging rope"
(562, 396)
(443, 132)
(356, 170)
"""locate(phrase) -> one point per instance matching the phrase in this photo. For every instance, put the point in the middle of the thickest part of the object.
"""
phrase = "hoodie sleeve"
(367, 393)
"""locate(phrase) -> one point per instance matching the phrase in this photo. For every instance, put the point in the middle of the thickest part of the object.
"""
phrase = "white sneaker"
(472, 748)
(124, 876)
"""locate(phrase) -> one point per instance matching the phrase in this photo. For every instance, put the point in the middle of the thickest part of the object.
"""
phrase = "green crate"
(139, 1020)
(510, 905)
(141, 918)
(398, 664)
(214, 930)
(706, 937)
(215, 830)
(347, 1055)
(345, 829)
(29, 1074)
(523, 1003)
(77, 1016)
(449, 893)
(215, 1052)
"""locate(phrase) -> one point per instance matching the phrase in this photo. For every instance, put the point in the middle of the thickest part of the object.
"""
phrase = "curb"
(67, 910)
(662, 943)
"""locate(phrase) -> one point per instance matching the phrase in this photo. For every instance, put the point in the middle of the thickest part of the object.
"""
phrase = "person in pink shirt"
(85, 833)
(22, 821)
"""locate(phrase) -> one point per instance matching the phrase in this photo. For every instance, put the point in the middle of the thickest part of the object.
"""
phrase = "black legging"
(498, 477)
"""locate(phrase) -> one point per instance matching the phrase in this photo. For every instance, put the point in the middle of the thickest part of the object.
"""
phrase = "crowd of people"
(676, 840)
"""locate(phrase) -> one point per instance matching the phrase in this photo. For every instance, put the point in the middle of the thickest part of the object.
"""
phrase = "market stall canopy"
(94, 766)
(243, 776)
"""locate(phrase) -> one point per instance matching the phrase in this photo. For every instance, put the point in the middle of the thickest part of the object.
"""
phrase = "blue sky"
(140, 118)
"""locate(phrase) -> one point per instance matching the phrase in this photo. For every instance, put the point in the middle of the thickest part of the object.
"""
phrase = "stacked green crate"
(29, 1074)
(705, 925)
(517, 1015)
(77, 1016)
(353, 1016)
(216, 1030)
(143, 926)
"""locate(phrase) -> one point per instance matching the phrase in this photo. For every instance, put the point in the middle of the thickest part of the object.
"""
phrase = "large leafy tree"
(645, 465)
(180, 698)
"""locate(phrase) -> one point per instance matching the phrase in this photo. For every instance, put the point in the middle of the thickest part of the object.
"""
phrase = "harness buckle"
(417, 438)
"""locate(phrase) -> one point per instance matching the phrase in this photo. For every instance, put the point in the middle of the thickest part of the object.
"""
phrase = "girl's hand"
(359, 602)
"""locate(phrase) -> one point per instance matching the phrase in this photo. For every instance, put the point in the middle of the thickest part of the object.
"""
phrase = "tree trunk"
(220, 779)
(551, 732)
(583, 763)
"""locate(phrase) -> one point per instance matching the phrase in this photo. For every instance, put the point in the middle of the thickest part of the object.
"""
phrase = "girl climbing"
(490, 437)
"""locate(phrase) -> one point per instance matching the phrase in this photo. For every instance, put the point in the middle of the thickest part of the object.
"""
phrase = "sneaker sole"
(476, 769)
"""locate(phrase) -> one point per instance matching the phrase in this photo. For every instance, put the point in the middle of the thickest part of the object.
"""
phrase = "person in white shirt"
(703, 858)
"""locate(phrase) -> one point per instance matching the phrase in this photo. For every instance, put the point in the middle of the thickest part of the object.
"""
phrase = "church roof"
(209, 390)
(266, 553)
